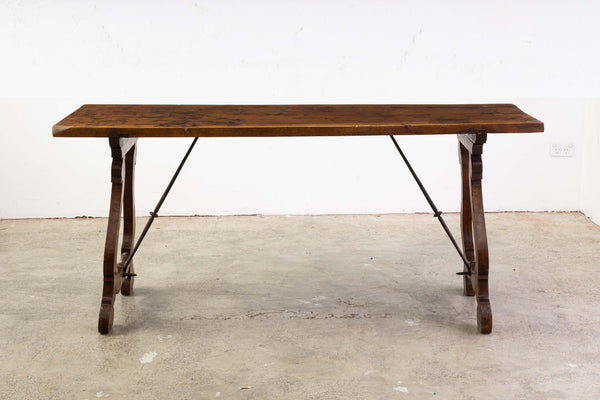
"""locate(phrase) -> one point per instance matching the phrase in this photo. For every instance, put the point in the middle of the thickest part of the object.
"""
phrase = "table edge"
(282, 131)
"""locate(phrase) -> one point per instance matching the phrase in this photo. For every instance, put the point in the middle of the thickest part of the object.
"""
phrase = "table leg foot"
(473, 227)
(484, 317)
(105, 321)
(127, 285)
(467, 286)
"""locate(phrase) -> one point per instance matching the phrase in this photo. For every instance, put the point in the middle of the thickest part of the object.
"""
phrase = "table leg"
(473, 230)
(466, 220)
(120, 171)
(128, 220)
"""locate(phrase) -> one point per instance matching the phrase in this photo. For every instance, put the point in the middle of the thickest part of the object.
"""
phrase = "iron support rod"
(436, 213)
(154, 214)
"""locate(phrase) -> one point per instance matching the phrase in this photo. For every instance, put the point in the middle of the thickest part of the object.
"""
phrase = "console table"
(124, 124)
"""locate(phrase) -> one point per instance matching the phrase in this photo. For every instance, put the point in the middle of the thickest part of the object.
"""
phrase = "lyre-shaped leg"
(120, 148)
(473, 227)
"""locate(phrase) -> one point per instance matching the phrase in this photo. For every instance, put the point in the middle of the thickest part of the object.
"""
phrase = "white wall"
(590, 202)
(59, 55)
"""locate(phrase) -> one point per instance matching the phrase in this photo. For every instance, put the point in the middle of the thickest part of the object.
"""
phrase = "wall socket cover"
(562, 150)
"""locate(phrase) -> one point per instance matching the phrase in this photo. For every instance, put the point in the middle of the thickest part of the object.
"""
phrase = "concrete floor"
(301, 307)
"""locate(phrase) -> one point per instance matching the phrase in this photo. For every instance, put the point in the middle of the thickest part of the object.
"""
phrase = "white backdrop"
(56, 55)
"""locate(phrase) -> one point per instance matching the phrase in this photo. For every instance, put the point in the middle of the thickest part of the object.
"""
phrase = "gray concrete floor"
(301, 307)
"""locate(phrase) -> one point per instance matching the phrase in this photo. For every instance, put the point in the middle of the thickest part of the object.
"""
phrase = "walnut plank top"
(105, 120)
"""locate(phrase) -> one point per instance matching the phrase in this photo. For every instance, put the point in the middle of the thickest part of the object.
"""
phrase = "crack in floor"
(287, 314)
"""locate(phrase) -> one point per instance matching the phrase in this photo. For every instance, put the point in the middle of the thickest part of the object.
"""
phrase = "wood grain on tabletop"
(106, 120)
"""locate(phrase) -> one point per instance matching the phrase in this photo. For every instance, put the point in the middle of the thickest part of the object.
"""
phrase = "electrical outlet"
(562, 150)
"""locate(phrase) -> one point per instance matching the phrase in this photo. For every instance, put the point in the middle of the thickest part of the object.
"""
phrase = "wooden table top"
(105, 120)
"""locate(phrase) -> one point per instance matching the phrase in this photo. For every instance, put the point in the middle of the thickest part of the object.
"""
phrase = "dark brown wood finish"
(123, 152)
(473, 226)
(128, 220)
(104, 120)
(123, 124)
(466, 219)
